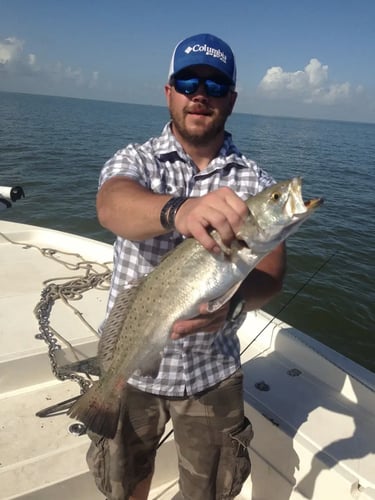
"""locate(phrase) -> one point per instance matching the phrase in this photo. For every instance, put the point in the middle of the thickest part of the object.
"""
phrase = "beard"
(199, 135)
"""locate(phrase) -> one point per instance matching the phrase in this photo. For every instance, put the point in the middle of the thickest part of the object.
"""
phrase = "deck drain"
(262, 386)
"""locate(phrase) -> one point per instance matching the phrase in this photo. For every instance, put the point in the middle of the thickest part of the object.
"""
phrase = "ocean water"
(55, 147)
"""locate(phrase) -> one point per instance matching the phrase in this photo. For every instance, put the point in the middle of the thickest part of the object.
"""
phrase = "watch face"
(238, 310)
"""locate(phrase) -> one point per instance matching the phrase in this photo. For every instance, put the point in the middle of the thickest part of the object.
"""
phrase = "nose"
(200, 94)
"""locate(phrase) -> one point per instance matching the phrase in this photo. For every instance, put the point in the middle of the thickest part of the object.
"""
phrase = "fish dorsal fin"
(114, 322)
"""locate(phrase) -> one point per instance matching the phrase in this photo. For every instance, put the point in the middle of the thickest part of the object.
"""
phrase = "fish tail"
(99, 409)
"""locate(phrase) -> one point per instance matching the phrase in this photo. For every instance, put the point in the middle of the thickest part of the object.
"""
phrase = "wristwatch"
(236, 308)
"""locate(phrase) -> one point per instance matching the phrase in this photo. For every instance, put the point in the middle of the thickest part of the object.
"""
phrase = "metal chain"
(68, 291)
(42, 312)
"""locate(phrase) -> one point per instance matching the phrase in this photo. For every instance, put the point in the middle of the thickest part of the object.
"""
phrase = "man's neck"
(201, 155)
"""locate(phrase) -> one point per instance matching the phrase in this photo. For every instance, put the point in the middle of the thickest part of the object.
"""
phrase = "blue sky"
(301, 58)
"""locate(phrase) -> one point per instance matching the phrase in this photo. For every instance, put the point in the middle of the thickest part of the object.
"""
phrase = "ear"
(233, 98)
(167, 92)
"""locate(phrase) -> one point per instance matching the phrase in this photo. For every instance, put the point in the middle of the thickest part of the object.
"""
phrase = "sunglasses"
(189, 86)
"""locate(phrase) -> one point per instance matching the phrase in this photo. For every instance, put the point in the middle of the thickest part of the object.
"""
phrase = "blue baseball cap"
(203, 49)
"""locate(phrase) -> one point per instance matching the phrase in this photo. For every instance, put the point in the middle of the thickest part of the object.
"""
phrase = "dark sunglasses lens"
(189, 86)
(216, 89)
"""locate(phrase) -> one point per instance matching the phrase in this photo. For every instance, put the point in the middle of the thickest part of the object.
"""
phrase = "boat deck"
(312, 410)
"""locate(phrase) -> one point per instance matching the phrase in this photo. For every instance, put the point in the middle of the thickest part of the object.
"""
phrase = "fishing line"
(296, 293)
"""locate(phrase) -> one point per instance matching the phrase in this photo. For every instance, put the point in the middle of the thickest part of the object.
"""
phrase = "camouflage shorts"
(211, 435)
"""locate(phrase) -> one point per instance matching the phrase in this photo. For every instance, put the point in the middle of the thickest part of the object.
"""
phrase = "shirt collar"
(166, 147)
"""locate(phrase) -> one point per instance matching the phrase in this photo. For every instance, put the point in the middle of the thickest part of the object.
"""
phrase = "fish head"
(275, 213)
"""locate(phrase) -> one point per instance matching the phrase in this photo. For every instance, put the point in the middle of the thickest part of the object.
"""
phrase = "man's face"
(198, 118)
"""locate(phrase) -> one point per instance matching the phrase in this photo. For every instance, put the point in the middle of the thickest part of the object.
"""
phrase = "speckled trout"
(140, 322)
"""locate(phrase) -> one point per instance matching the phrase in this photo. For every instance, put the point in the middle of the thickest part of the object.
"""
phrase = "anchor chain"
(42, 312)
(67, 291)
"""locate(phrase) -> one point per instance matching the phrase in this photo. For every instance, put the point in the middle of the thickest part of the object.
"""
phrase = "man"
(188, 180)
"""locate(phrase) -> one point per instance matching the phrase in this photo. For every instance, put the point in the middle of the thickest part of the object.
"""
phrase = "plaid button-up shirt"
(198, 361)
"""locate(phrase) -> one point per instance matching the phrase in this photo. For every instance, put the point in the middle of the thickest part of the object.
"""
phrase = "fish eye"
(276, 196)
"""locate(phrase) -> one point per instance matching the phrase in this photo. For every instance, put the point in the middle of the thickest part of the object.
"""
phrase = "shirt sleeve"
(127, 162)
(261, 178)
(265, 179)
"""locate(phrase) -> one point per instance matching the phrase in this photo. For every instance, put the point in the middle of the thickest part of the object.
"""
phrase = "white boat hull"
(312, 409)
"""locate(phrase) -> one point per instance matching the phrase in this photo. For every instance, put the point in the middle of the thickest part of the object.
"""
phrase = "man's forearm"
(129, 210)
(265, 281)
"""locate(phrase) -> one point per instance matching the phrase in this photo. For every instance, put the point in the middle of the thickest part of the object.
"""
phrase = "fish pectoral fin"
(215, 304)
(231, 252)
(216, 236)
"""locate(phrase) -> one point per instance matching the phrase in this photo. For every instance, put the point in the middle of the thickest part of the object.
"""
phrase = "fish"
(140, 323)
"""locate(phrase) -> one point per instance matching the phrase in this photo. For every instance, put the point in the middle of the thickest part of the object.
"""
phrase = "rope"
(67, 289)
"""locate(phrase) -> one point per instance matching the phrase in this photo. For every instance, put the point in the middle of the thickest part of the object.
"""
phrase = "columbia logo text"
(208, 50)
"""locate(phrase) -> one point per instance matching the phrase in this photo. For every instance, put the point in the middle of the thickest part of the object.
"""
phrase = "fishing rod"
(296, 293)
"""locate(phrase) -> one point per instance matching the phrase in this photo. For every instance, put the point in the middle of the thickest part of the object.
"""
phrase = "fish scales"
(140, 322)
(173, 293)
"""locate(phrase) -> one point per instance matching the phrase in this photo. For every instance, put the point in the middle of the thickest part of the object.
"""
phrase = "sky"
(299, 58)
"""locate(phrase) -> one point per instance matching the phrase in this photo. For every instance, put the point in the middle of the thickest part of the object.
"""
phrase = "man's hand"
(222, 210)
(205, 322)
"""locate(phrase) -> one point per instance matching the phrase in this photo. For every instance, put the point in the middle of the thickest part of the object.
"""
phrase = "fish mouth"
(313, 203)
(297, 203)
(308, 207)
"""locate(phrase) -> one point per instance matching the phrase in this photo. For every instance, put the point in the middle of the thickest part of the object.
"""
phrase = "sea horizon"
(164, 106)
(55, 148)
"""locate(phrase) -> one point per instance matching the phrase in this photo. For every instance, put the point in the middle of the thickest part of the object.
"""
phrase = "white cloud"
(15, 63)
(32, 59)
(10, 49)
(310, 85)
(61, 73)
(94, 79)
